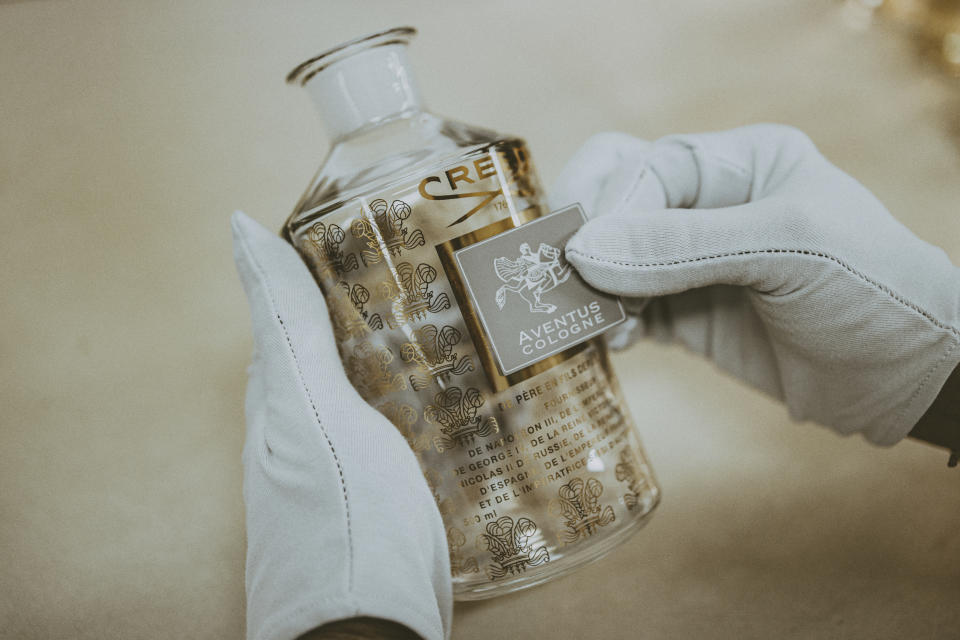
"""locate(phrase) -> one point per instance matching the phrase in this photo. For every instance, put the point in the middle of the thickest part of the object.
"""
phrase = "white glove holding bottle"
(782, 269)
(340, 521)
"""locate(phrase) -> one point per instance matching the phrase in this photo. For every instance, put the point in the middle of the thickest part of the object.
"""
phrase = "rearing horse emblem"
(532, 275)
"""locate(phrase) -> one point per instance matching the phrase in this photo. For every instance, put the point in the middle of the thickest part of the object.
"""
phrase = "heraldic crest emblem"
(580, 507)
(457, 413)
(410, 294)
(383, 231)
(330, 259)
(432, 351)
(511, 544)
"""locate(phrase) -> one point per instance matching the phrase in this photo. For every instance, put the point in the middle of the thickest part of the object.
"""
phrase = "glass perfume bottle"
(535, 472)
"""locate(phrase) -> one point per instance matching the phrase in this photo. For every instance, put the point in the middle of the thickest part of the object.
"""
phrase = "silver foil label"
(530, 302)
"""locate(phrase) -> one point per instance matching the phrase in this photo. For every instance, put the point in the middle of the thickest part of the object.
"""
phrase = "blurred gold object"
(936, 26)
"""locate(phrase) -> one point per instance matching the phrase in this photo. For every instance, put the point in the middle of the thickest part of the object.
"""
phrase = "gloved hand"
(340, 521)
(782, 269)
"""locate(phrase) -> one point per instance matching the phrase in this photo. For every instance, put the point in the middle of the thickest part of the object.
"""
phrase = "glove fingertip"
(259, 252)
(240, 224)
(580, 248)
(579, 252)
(576, 245)
(238, 219)
(247, 232)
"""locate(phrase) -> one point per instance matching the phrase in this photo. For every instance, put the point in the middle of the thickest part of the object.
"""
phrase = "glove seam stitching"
(273, 307)
(806, 252)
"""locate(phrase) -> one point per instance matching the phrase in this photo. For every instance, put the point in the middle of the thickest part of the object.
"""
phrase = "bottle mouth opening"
(308, 69)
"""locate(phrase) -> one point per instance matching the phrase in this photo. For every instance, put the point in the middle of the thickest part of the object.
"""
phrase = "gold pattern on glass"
(458, 564)
(384, 228)
(329, 258)
(579, 506)
(510, 544)
(457, 413)
(347, 323)
(432, 351)
(628, 472)
(348, 311)
(444, 506)
(368, 368)
(410, 294)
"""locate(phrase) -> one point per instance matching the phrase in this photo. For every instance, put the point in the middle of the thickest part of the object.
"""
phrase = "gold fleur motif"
(328, 258)
(509, 543)
(410, 294)
(348, 313)
(383, 231)
(457, 413)
(458, 564)
(579, 506)
(432, 352)
(368, 368)
(627, 471)
(444, 506)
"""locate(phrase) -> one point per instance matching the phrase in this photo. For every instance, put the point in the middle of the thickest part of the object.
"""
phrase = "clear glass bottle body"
(534, 473)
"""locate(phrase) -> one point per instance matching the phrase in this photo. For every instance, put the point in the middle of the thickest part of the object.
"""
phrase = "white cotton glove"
(775, 264)
(340, 521)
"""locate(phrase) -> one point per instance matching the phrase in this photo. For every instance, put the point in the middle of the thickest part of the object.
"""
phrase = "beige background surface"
(130, 130)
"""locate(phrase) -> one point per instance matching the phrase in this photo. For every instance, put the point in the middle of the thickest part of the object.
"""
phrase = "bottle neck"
(365, 89)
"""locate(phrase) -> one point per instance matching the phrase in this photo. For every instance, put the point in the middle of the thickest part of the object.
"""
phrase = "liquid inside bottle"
(534, 473)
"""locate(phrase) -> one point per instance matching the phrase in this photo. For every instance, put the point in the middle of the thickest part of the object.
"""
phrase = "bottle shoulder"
(389, 155)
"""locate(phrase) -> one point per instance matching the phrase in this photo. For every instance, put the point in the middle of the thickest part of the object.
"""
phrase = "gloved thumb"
(667, 251)
(296, 374)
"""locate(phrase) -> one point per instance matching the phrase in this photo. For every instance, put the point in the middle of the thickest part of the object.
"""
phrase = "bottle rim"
(306, 70)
